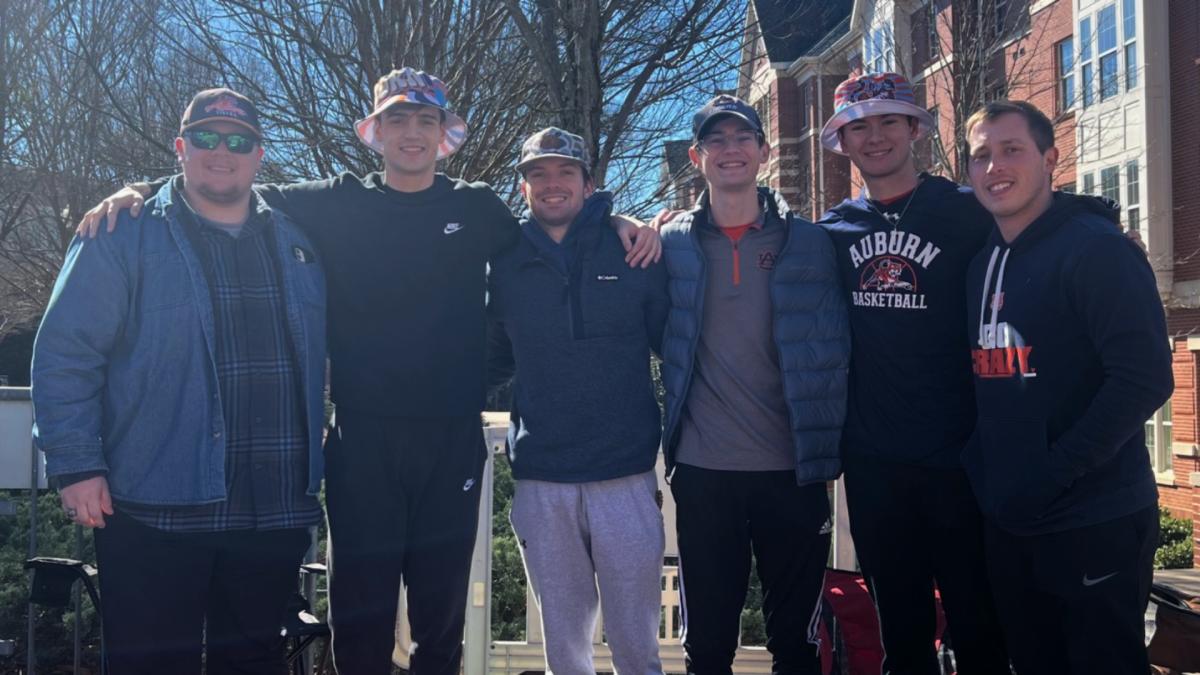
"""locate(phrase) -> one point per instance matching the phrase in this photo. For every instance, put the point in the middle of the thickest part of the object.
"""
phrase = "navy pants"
(162, 594)
(403, 502)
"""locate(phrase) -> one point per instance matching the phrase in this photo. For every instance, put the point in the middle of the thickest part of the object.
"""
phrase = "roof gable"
(791, 29)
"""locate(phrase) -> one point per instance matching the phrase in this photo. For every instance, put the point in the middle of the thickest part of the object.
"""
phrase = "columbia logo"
(607, 277)
(451, 228)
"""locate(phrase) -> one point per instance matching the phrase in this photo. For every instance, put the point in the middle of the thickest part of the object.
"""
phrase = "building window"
(1066, 74)
(804, 105)
(1089, 184)
(937, 151)
(1069, 188)
(762, 106)
(1129, 17)
(1085, 59)
(879, 51)
(1110, 183)
(1001, 18)
(1133, 196)
(1106, 48)
(1159, 439)
(805, 205)
(927, 46)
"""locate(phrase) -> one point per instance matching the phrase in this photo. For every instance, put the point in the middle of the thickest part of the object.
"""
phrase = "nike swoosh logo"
(1092, 582)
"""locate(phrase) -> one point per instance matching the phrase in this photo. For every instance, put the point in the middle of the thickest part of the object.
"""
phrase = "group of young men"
(179, 370)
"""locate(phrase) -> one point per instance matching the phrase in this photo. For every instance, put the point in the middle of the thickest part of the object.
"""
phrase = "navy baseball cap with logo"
(720, 106)
(221, 104)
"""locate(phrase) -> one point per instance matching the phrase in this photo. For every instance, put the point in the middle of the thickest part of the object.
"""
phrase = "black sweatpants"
(161, 593)
(1074, 602)
(403, 502)
(721, 516)
(914, 527)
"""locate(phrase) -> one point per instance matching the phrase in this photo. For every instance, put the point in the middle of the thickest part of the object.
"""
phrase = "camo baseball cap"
(870, 95)
(553, 142)
(223, 105)
(407, 85)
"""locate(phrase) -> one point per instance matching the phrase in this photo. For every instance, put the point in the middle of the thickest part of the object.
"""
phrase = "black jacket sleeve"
(1113, 292)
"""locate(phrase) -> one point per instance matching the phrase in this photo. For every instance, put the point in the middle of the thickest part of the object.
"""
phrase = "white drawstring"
(996, 295)
(987, 281)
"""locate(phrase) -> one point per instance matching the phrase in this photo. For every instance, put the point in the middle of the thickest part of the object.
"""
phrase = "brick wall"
(1182, 499)
(1184, 138)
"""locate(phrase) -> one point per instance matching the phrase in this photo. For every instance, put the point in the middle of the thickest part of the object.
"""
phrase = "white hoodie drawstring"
(987, 281)
(995, 297)
(997, 293)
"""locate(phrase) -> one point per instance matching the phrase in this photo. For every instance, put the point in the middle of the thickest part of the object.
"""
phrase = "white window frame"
(1133, 195)
(1129, 41)
(1159, 441)
(1087, 68)
(1064, 59)
(1112, 190)
(1114, 52)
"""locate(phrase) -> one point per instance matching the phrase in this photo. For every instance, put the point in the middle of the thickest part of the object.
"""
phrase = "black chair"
(53, 581)
(301, 628)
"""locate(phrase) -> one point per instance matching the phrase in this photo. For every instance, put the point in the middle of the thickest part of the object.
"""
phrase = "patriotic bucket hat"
(870, 95)
(412, 86)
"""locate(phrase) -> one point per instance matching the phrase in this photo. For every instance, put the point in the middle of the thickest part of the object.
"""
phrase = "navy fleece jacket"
(577, 324)
(1070, 355)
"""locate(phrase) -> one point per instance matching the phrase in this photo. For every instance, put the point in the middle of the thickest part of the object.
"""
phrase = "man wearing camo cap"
(405, 251)
(577, 325)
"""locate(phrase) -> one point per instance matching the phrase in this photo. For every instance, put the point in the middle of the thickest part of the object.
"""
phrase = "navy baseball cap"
(221, 104)
(720, 106)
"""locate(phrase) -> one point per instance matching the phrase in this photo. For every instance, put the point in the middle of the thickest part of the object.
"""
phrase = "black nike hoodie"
(1070, 355)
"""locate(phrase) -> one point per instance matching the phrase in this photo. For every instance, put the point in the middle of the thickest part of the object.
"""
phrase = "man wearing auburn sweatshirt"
(903, 248)
(1070, 357)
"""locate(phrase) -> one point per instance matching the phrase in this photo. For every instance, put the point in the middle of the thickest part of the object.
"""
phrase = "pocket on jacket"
(1009, 469)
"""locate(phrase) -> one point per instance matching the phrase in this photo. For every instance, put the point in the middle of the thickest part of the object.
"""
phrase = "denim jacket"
(124, 374)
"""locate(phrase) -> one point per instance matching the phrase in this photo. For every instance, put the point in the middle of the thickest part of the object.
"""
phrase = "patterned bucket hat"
(553, 142)
(412, 86)
(869, 95)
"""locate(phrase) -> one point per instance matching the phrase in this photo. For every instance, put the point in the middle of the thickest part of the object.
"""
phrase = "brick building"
(1120, 79)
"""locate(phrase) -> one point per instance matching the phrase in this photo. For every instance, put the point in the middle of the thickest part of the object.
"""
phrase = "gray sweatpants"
(577, 536)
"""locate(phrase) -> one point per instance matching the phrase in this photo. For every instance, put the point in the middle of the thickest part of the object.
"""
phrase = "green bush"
(1174, 542)
(54, 627)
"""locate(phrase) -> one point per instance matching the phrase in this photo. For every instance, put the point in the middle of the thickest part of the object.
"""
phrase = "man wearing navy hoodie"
(1070, 357)
(577, 324)
(903, 248)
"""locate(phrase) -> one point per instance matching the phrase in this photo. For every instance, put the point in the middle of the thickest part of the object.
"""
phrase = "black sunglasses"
(237, 143)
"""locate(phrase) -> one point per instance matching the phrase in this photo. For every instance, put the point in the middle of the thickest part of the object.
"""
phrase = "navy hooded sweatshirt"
(911, 398)
(577, 325)
(1070, 355)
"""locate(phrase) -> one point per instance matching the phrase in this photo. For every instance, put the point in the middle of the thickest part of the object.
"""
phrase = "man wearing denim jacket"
(177, 387)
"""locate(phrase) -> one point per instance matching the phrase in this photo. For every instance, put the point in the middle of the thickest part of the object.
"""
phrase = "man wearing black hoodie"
(903, 249)
(1070, 357)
